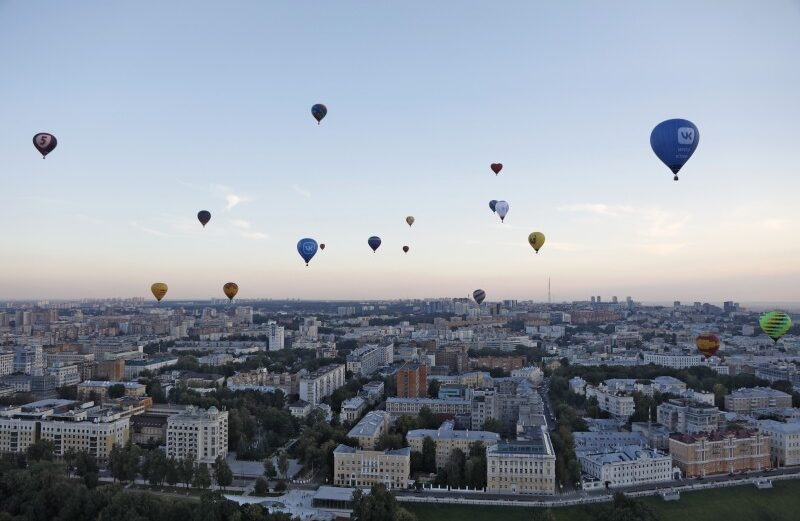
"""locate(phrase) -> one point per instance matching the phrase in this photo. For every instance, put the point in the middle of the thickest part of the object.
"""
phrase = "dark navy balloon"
(307, 248)
(674, 141)
(374, 242)
(319, 111)
(204, 216)
(492, 204)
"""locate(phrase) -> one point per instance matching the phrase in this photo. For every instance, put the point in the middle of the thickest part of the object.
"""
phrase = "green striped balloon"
(775, 324)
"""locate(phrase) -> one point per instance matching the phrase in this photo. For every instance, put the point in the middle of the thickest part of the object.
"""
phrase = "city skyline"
(162, 113)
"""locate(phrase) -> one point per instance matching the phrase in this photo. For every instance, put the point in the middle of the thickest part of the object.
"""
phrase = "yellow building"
(522, 466)
(720, 452)
(364, 468)
(447, 439)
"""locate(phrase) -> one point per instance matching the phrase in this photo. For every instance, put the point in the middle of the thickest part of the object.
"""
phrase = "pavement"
(296, 503)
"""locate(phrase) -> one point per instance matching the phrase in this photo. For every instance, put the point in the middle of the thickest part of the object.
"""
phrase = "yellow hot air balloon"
(230, 289)
(410, 220)
(536, 240)
(159, 289)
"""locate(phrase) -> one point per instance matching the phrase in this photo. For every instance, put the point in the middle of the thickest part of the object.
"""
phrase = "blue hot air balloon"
(674, 141)
(374, 242)
(319, 111)
(492, 204)
(307, 248)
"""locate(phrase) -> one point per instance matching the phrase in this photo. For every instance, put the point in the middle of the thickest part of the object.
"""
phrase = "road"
(544, 392)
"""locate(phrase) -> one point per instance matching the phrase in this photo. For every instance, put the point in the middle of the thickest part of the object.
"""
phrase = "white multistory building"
(629, 466)
(321, 383)
(675, 361)
(369, 358)
(199, 433)
(6, 363)
(618, 405)
(522, 466)
(275, 336)
(784, 441)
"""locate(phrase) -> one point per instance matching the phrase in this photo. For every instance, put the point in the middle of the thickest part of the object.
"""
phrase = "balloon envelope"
(406, 248)
(496, 167)
(479, 295)
(374, 242)
(674, 141)
(492, 205)
(230, 289)
(307, 248)
(536, 239)
(319, 111)
(707, 344)
(44, 143)
(410, 220)
(775, 324)
(204, 216)
(159, 289)
(502, 209)
(322, 246)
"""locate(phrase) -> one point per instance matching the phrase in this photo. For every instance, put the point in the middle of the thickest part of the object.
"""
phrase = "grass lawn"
(745, 503)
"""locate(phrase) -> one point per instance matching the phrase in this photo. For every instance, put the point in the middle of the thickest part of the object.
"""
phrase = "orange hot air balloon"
(708, 344)
(230, 289)
(159, 289)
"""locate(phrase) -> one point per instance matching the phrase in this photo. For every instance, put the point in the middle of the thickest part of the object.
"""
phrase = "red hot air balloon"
(707, 344)
(496, 167)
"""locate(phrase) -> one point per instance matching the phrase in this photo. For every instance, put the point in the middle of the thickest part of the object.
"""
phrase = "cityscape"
(415, 261)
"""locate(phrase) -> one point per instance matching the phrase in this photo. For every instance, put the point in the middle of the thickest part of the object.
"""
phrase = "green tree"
(269, 469)
(433, 388)
(428, 455)
(202, 478)
(116, 391)
(261, 487)
(455, 468)
(416, 462)
(624, 508)
(378, 505)
(283, 464)
(280, 486)
(186, 470)
(719, 395)
(40, 450)
(426, 419)
(543, 514)
(222, 473)
(493, 425)
(172, 476)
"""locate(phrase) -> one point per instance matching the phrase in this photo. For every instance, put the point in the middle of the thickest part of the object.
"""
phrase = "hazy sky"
(162, 109)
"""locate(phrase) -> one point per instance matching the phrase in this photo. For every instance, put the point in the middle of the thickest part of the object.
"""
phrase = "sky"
(162, 109)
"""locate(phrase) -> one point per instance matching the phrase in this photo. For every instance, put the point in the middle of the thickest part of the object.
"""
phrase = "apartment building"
(412, 406)
(685, 416)
(101, 387)
(720, 452)
(620, 406)
(369, 429)
(628, 466)
(506, 363)
(351, 409)
(203, 434)
(412, 381)
(447, 439)
(743, 401)
(606, 441)
(675, 361)
(321, 383)
(522, 466)
(364, 468)
(784, 442)
(134, 368)
(369, 358)
(6, 363)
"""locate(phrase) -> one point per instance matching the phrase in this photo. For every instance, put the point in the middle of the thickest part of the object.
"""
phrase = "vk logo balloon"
(307, 248)
(674, 141)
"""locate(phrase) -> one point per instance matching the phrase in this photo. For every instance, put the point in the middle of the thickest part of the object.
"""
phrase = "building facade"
(743, 401)
(720, 452)
(629, 466)
(321, 383)
(447, 438)
(369, 429)
(522, 466)
(784, 442)
(688, 417)
(202, 434)
(412, 381)
(369, 358)
(364, 468)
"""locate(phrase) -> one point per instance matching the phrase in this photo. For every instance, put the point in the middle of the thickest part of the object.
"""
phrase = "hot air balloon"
(479, 295)
(674, 141)
(322, 246)
(502, 209)
(536, 240)
(493, 205)
(374, 242)
(496, 167)
(307, 248)
(410, 220)
(159, 289)
(44, 143)
(319, 111)
(230, 289)
(708, 344)
(406, 248)
(775, 324)
(204, 216)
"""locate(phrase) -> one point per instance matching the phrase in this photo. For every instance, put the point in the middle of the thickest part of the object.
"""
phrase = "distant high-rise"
(599, 299)
(275, 336)
(614, 299)
(594, 299)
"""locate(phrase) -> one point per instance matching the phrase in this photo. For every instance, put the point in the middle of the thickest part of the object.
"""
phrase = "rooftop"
(714, 436)
(345, 449)
(369, 424)
(783, 428)
(624, 454)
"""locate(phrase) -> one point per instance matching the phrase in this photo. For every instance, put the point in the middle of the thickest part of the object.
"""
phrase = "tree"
(283, 464)
(222, 473)
(269, 469)
(70, 456)
(262, 487)
(416, 462)
(426, 419)
(493, 425)
(455, 468)
(428, 455)
(389, 441)
(543, 514)
(624, 508)
(124, 462)
(116, 391)
(378, 505)
(202, 478)
(280, 486)
(154, 467)
(41, 450)
(172, 475)
(433, 388)
(186, 470)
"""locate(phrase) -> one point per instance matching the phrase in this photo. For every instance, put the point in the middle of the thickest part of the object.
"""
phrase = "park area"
(745, 503)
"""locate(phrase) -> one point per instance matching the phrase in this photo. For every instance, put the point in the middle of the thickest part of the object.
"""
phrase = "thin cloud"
(598, 209)
(231, 201)
(302, 191)
(151, 231)
(241, 224)
(255, 235)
